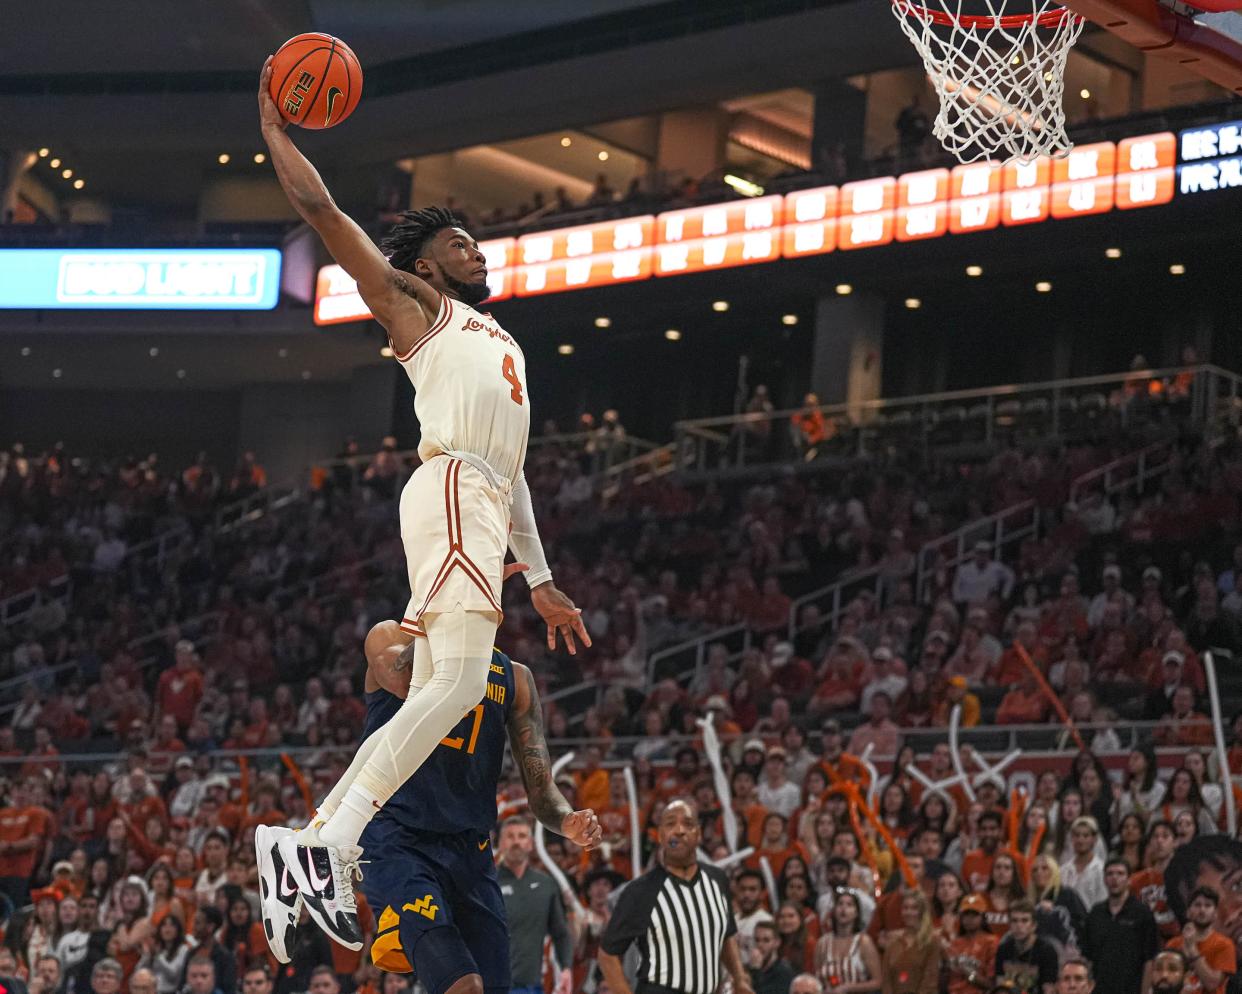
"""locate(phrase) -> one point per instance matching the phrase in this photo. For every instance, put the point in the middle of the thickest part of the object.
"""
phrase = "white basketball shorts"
(455, 529)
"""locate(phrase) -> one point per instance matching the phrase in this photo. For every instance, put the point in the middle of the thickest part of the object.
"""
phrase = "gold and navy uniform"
(431, 878)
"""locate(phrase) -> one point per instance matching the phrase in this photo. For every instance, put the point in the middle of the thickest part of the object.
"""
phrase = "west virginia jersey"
(431, 880)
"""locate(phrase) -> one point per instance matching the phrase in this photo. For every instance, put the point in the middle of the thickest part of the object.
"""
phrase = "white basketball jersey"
(469, 381)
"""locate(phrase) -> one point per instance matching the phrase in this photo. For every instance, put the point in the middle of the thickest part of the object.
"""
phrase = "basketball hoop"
(1000, 75)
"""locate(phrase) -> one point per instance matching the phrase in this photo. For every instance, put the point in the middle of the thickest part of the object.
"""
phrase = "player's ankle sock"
(351, 818)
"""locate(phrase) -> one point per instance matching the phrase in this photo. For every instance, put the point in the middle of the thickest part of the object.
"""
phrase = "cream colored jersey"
(469, 381)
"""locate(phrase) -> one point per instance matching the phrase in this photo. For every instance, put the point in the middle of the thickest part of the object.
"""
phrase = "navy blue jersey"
(455, 790)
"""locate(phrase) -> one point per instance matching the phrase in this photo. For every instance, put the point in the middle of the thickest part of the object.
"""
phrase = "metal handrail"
(963, 539)
(699, 646)
(975, 393)
(20, 606)
(1140, 461)
(254, 506)
(1130, 733)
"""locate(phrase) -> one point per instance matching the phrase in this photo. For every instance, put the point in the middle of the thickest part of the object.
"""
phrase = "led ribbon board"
(1137, 172)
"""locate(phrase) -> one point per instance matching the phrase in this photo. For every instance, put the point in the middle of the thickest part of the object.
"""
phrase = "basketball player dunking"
(465, 504)
(431, 874)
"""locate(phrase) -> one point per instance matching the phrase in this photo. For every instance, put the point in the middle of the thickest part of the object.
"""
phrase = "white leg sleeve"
(460, 645)
(420, 674)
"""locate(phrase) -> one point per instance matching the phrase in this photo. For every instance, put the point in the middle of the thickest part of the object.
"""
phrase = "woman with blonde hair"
(1059, 911)
(911, 963)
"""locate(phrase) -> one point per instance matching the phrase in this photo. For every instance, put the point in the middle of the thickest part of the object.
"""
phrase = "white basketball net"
(999, 73)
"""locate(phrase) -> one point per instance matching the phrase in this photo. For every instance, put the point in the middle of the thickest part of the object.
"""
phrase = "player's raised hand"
(269, 115)
(582, 828)
(560, 615)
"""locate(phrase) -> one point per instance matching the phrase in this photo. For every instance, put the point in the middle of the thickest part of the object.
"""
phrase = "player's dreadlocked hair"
(405, 242)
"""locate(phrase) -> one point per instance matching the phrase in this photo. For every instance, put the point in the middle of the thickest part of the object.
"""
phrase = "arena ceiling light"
(789, 319)
(913, 303)
(66, 173)
(974, 270)
(1043, 286)
(259, 158)
(844, 289)
(673, 335)
(153, 351)
(25, 351)
(566, 142)
(720, 306)
(79, 183)
(743, 186)
(565, 349)
(44, 152)
(55, 163)
(57, 373)
(223, 158)
(306, 374)
(603, 322)
(1177, 269)
(1085, 93)
(1112, 253)
(181, 374)
(386, 352)
(603, 155)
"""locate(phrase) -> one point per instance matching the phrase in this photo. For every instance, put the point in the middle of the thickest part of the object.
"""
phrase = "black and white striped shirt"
(680, 927)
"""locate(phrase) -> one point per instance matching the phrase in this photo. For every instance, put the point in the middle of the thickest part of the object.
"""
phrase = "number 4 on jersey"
(509, 372)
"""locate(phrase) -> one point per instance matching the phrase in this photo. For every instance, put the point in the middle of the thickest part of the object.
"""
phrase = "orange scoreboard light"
(1083, 181)
(922, 205)
(866, 213)
(1026, 195)
(738, 233)
(337, 299)
(584, 256)
(975, 197)
(1146, 170)
(810, 222)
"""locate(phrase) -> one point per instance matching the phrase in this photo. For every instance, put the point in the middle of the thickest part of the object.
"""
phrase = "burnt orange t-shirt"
(1220, 955)
(969, 954)
(15, 825)
(1148, 887)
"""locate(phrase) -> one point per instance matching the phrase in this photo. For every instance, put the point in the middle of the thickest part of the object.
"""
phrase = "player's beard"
(471, 293)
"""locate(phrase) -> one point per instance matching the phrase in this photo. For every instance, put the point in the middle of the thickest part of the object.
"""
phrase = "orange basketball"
(316, 80)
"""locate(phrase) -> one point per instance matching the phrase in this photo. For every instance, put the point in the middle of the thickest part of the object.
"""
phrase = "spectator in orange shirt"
(1010, 668)
(26, 830)
(1184, 726)
(1211, 956)
(181, 687)
(977, 864)
(971, 956)
(592, 781)
(746, 806)
(1025, 704)
(809, 428)
(956, 691)
(835, 761)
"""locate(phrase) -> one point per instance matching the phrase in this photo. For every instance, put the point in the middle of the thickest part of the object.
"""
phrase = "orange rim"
(1048, 19)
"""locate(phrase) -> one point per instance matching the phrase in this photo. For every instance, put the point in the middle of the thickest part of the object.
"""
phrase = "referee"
(679, 914)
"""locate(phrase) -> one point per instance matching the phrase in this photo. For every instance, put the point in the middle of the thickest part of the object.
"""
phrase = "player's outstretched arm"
(530, 752)
(400, 301)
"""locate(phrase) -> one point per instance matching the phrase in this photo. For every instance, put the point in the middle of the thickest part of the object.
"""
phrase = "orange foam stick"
(299, 779)
(1050, 694)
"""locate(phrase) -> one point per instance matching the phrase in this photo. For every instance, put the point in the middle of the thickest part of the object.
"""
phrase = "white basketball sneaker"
(280, 899)
(324, 876)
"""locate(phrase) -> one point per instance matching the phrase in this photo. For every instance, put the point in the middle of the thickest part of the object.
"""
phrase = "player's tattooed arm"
(530, 753)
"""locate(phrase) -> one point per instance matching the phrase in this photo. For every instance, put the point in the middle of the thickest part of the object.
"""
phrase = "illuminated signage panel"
(140, 279)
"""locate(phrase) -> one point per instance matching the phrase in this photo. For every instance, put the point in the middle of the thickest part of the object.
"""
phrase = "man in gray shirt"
(534, 909)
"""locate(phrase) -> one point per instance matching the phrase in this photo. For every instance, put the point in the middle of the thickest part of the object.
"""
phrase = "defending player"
(431, 876)
(462, 507)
